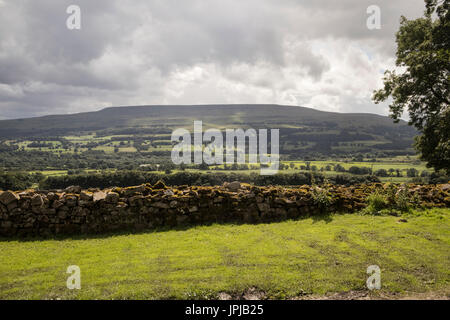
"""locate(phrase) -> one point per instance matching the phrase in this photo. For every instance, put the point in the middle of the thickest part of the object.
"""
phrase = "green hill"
(301, 129)
(219, 115)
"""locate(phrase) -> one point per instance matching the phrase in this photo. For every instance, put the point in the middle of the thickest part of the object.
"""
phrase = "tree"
(381, 173)
(412, 172)
(339, 168)
(423, 87)
(391, 172)
(204, 166)
(308, 165)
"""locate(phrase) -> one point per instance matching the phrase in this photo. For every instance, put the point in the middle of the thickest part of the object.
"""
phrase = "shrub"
(391, 194)
(391, 199)
(412, 172)
(376, 202)
(339, 168)
(126, 178)
(18, 180)
(403, 200)
(321, 198)
(381, 173)
(360, 170)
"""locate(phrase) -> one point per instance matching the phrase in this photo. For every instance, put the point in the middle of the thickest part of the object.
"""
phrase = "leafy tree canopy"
(421, 82)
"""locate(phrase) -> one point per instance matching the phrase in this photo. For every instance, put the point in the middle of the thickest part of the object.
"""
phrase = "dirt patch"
(255, 294)
(249, 294)
(350, 295)
(422, 296)
(367, 295)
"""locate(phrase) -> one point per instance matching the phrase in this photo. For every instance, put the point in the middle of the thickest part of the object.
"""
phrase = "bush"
(381, 173)
(439, 177)
(412, 173)
(376, 202)
(392, 199)
(359, 170)
(18, 180)
(403, 200)
(321, 198)
(339, 168)
(128, 178)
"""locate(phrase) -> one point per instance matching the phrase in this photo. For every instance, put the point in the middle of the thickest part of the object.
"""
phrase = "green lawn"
(287, 259)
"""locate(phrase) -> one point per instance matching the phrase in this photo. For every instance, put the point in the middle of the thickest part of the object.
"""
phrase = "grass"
(287, 259)
(383, 163)
(82, 141)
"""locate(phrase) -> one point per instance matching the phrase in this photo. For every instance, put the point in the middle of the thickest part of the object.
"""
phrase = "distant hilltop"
(174, 116)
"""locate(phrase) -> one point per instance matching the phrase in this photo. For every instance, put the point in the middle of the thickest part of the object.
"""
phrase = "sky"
(317, 54)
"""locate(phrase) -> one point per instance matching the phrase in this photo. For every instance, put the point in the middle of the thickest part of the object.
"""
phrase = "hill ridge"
(302, 129)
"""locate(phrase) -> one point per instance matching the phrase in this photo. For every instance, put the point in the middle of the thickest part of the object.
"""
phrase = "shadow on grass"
(325, 217)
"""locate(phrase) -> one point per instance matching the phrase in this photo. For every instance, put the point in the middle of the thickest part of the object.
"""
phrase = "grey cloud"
(128, 51)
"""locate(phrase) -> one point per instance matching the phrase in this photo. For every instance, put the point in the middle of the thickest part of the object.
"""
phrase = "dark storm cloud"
(196, 51)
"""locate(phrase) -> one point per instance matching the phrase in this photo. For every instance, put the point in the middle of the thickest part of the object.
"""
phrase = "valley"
(139, 139)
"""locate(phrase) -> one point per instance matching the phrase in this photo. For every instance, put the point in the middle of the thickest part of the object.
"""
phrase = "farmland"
(139, 138)
(316, 256)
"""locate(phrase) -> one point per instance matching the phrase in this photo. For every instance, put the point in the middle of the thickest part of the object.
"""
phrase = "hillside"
(218, 115)
(302, 129)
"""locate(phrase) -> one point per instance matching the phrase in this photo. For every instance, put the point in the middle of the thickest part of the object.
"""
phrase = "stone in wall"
(69, 211)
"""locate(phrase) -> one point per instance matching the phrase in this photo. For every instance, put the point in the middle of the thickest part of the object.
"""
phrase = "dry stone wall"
(94, 211)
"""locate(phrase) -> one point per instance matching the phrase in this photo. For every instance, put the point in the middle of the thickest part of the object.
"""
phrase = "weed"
(376, 202)
(321, 198)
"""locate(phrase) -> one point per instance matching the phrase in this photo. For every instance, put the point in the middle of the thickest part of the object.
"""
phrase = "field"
(139, 138)
(295, 259)
(307, 258)
(400, 163)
